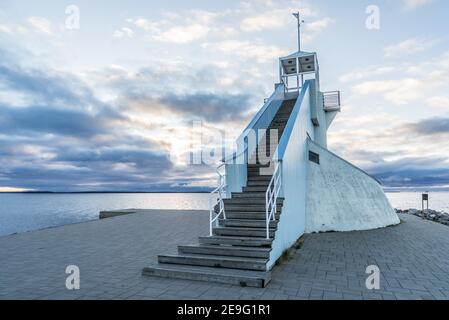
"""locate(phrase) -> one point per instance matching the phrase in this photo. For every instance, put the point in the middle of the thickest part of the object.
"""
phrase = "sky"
(105, 95)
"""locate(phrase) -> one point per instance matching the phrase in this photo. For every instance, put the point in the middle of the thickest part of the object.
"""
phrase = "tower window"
(314, 157)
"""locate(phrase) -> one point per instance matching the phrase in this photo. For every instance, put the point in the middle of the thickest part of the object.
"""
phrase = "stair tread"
(238, 238)
(242, 220)
(211, 271)
(243, 228)
(215, 257)
(227, 247)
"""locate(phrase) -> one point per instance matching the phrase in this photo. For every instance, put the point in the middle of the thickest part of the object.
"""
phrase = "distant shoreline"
(179, 192)
(106, 192)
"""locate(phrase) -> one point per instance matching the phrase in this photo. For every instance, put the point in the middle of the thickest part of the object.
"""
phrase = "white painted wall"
(236, 166)
(293, 152)
(341, 197)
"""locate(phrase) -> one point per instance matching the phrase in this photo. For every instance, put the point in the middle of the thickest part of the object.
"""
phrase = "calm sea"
(26, 212)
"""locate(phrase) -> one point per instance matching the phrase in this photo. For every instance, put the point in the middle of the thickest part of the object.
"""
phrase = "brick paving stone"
(111, 253)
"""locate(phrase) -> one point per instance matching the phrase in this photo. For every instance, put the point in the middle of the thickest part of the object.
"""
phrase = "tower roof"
(299, 63)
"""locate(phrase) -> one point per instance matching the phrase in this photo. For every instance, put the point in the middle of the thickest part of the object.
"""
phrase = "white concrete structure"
(321, 191)
(273, 192)
(341, 197)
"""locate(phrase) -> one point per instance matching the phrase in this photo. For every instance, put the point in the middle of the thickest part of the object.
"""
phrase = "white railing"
(272, 195)
(216, 197)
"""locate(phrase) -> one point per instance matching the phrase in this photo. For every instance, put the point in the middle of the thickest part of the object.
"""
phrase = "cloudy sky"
(110, 105)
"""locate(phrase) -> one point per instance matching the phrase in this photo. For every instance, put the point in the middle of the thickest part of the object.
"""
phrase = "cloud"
(208, 106)
(315, 28)
(123, 33)
(413, 154)
(10, 189)
(41, 25)
(412, 172)
(399, 92)
(31, 120)
(270, 19)
(414, 4)
(411, 82)
(246, 49)
(5, 29)
(182, 34)
(433, 126)
(177, 28)
(135, 159)
(408, 47)
(368, 72)
(61, 137)
(438, 102)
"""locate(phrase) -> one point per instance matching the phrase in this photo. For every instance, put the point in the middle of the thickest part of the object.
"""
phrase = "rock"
(431, 215)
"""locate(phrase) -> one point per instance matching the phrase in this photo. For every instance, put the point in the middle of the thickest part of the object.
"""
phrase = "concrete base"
(342, 197)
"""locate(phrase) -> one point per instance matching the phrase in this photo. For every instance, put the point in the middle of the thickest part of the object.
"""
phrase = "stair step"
(235, 215)
(215, 261)
(257, 170)
(252, 195)
(267, 178)
(249, 201)
(256, 279)
(258, 184)
(257, 166)
(247, 223)
(232, 251)
(242, 232)
(267, 173)
(248, 207)
(255, 189)
(236, 241)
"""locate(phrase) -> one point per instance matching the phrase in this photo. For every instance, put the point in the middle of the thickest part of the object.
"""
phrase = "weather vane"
(296, 15)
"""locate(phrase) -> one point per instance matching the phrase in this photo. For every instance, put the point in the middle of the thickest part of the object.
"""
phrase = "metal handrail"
(214, 200)
(272, 195)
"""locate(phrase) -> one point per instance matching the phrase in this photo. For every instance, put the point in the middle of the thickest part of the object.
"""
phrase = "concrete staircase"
(238, 251)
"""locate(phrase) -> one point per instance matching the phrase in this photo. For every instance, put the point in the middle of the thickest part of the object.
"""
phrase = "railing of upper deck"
(332, 100)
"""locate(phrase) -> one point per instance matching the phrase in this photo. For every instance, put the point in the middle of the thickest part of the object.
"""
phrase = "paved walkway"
(413, 258)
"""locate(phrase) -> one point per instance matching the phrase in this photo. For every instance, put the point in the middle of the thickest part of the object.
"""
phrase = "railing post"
(210, 216)
(267, 204)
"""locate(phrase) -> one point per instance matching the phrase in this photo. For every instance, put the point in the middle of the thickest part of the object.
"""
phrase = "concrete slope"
(342, 197)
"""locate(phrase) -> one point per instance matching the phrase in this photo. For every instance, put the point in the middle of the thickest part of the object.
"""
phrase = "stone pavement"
(413, 258)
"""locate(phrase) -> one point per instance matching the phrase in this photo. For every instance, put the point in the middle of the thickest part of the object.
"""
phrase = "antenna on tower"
(300, 21)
